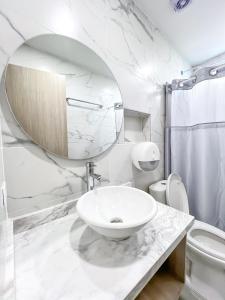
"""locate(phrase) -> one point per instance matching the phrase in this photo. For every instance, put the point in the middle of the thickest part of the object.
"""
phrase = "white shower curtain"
(195, 140)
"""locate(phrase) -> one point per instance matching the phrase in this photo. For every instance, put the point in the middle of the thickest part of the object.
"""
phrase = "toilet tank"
(158, 191)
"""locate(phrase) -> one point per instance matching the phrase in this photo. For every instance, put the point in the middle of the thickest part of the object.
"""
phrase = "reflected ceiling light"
(107, 91)
(63, 22)
(180, 4)
(145, 72)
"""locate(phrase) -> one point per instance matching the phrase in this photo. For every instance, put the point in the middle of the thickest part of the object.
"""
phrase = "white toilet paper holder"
(145, 156)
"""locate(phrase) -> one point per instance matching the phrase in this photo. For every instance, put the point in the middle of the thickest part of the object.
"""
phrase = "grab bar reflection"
(83, 101)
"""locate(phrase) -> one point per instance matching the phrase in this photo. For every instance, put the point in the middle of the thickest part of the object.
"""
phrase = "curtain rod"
(216, 70)
(205, 73)
(191, 80)
(212, 71)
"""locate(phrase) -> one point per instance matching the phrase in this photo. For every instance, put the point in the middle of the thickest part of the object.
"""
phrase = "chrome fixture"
(91, 176)
(118, 105)
(180, 4)
(215, 71)
(191, 80)
(83, 101)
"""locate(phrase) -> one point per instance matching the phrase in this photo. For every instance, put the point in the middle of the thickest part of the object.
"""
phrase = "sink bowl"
(116, 211)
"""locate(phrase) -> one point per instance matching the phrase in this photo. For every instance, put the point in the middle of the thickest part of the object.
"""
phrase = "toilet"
(205, 253)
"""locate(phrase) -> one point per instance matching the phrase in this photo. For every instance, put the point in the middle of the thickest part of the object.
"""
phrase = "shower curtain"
(195, 143)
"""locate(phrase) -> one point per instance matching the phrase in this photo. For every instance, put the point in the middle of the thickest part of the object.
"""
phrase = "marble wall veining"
(141, 60)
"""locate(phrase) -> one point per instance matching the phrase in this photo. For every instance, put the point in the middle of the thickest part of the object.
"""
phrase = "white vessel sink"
(116, 211)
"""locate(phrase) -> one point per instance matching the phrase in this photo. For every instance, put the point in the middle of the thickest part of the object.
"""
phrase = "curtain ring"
(213, 72)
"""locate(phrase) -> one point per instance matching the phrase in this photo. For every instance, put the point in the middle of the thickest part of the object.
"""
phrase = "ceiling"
(197, 32)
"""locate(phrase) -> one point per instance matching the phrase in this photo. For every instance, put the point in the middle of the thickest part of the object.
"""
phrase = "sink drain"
(116, 220)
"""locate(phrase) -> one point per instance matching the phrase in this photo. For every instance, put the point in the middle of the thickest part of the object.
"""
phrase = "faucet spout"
(91, 176)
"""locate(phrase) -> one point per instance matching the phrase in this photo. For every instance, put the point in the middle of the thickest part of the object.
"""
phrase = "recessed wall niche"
(137, 126)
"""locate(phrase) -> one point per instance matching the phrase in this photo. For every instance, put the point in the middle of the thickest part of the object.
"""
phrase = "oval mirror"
(64, 96)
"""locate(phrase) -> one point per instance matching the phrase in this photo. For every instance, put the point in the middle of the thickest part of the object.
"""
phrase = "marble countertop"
(63, 258)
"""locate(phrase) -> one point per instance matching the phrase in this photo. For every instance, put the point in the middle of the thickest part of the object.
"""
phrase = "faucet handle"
(97, 177)
(90, 164)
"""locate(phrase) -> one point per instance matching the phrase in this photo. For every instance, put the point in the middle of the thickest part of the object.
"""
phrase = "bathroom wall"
(3, 227)
(141, 60)
(3, 211)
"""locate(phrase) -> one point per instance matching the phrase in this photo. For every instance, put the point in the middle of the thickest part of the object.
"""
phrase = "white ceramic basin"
(116, 211)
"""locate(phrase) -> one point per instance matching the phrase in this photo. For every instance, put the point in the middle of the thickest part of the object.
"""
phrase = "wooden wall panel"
(38, 101)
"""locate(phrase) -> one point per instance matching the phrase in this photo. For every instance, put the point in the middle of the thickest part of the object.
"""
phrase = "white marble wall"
(3, 212)
(3, 228)
(139, 57)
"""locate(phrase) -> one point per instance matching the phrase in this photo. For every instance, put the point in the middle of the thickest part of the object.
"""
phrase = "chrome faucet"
(91, 176)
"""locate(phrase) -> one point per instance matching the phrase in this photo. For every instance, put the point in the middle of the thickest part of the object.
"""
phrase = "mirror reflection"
(64, 97)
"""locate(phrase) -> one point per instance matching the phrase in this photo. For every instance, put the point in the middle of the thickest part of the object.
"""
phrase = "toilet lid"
(176, 195)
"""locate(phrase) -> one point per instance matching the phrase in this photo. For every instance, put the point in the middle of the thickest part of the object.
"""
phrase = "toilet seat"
(207, 239)
(203, 238)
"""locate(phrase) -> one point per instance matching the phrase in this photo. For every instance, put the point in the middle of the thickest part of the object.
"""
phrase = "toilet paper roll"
(158, 191)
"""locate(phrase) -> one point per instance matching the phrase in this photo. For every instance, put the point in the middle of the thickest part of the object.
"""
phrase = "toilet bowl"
(205, 253)
(205, 259)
